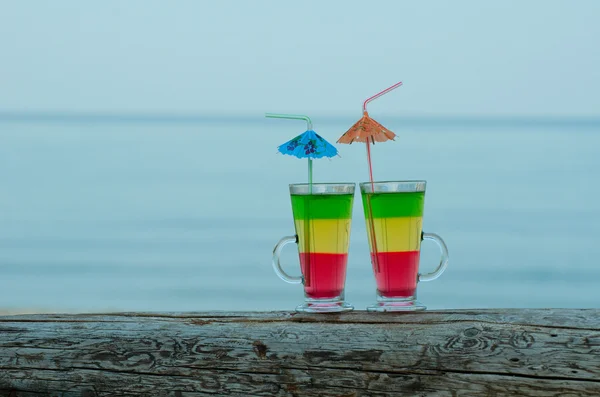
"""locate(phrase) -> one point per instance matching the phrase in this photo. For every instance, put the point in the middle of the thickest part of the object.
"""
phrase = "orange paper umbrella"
(370, 131)
(367, 130)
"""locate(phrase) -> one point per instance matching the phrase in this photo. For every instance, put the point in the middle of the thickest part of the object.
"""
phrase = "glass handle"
(443, 260)
(277, 264)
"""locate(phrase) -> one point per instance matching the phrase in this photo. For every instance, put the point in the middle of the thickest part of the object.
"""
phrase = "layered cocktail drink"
(394, 221)
(322, 219)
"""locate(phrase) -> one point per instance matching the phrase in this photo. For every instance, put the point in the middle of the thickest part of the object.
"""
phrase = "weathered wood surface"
(434, 353)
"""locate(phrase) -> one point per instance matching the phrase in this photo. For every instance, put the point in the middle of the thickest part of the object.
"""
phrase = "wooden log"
(434, 353)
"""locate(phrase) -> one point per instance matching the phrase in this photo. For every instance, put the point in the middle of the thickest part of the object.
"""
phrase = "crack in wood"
(225, 370)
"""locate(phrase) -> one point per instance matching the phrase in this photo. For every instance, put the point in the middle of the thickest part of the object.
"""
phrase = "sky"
(465, 58)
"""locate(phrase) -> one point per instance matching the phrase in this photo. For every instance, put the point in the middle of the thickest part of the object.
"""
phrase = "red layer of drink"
(327, 274)
(397, 275)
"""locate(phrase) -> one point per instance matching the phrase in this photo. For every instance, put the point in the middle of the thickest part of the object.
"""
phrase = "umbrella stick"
(370, 213)
(370, 166)
(310, 175)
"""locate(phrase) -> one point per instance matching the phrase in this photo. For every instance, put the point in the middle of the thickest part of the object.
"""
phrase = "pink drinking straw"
(366, 129)
(380, 94)
(371, 222)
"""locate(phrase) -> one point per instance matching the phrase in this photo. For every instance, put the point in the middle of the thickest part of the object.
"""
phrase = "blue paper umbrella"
(309, 145)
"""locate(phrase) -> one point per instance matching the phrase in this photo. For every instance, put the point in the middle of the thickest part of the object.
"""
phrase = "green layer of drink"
(394, 205)
(321, 206)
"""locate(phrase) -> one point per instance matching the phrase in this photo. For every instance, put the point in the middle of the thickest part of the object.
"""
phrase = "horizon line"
(154, 116)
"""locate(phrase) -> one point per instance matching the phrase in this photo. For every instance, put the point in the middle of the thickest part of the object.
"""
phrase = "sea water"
(166, 214)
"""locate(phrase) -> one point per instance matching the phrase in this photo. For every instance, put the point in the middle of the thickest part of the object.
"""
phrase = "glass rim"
(324, 184)
(418, 185)
(324, 188)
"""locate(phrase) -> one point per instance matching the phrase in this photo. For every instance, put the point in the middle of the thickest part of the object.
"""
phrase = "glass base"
(409, 304)
(324, 306)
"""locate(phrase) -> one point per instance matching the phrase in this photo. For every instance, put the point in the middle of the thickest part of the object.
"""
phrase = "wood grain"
(434, 353)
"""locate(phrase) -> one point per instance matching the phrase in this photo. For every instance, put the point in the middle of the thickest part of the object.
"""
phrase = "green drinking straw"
(307, 238)
(308, 128)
